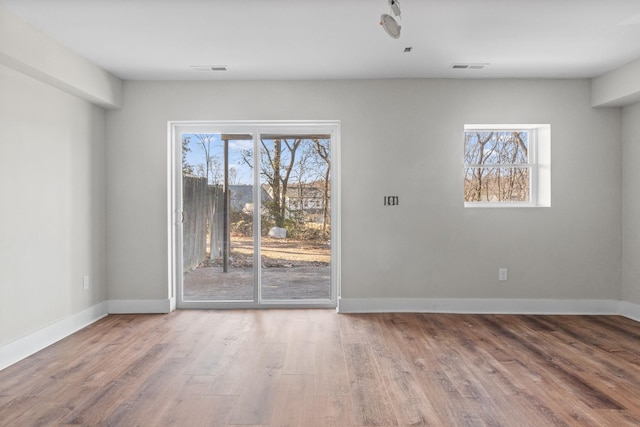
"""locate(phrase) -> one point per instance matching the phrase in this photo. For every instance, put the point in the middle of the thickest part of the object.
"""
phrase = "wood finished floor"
(319, 368)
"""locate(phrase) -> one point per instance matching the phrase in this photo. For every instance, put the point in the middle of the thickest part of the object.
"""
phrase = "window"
(502, 165)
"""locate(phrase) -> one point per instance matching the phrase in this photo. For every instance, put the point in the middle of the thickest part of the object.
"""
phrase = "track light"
(395, 7)
(389, 23)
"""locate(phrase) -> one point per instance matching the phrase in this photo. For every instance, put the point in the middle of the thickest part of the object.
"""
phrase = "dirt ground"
(277, 253)
(284, 249)
(292, 269)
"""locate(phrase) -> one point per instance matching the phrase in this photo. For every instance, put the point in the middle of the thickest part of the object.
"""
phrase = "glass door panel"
(295, 240)
(218, 211)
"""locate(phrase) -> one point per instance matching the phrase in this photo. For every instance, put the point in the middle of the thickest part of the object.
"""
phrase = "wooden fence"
(202, 205)
(194, 227)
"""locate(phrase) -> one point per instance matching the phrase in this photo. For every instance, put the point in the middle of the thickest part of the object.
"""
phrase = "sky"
(196, 156)
(308, 165)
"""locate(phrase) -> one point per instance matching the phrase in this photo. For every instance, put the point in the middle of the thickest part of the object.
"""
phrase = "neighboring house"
(242, 197)
(306, 201)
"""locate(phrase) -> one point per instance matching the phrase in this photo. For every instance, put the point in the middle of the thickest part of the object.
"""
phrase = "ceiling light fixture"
(389, 23)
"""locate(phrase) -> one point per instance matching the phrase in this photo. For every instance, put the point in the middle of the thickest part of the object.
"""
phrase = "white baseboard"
(26, 346)
(141, 306)
(32, 343)
(481, 306)
(632, 311)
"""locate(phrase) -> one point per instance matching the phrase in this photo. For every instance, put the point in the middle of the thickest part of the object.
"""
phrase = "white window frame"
(539, 164)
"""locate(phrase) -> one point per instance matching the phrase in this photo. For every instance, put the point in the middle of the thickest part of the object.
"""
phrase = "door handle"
(183, 217)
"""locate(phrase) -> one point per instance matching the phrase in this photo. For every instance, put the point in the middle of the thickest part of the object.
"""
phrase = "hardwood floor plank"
(292, 406)
(412, 406)
(301, 349)
(23, 410)
(256, 401)
(354, 328)
(603, 368)
(99, 405)
(331, 377)
(141, 408)
(370, 402)
(229, 366)
(132, 370)
(592, 396)
(195, 410)
(414, 345)
(332, 399)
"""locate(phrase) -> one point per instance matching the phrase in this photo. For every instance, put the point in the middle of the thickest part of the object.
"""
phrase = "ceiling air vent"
(480, 66)
(209, 68)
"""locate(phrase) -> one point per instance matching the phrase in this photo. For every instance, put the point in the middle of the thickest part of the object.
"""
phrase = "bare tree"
(233, 175)
(187, 169)
(303, 173)
(303, 165)
(475, 154)
(323, 149)
(281, 167)
(276, 165)
(213, 166)
(496, 166)
(213, 172)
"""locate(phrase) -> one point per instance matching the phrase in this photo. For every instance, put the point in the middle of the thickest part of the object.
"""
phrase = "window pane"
(496, 147)
(508, 184)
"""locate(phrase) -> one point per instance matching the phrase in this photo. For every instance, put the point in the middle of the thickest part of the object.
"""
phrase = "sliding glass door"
(254, 214)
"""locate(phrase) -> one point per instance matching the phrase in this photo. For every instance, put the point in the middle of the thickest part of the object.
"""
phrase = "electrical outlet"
(85, 282)
(502, 274)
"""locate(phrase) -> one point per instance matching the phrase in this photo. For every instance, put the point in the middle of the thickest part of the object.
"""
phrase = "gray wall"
(52, 184)
(631, 204)
(399, 137)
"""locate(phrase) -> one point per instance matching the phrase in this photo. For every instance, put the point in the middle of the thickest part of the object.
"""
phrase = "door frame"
(174, 206)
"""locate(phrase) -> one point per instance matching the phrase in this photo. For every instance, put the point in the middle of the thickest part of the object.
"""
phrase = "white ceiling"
(341, 39)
